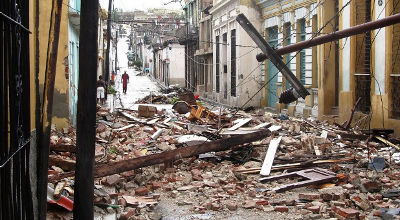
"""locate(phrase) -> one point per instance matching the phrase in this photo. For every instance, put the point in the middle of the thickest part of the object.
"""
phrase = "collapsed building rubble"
(213, 166)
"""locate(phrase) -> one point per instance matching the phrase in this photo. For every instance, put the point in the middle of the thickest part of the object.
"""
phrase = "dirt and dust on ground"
(179, 158)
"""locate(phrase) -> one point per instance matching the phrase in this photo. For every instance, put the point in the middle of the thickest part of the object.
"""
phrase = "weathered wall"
(177, 65)
(247, 68)
(60, 99)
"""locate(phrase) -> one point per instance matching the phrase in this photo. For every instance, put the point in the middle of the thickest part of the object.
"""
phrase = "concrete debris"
(151, 160)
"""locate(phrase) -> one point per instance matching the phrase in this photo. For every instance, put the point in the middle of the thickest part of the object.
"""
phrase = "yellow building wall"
(380, 105)
(326, 61)
(60, 99)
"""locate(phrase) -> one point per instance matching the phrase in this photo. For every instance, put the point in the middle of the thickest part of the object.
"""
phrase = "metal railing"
(15, 188)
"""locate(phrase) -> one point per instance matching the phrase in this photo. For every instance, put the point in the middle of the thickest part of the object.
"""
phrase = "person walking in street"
(101, 86)
(125, 81)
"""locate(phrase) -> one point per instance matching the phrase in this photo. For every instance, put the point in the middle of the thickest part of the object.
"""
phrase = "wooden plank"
(124, 128)
(383, 140)
(64, 164)
(240, 123)
(63, 148)
(263, 125)
(270, 156)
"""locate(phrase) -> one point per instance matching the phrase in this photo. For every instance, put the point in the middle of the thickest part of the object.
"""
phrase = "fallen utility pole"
(47, 108)
(86, 117)
(289, 95)
(358, 29)
(131, 164)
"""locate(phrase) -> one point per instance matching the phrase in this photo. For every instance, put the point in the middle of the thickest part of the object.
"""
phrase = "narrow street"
(257, 109)
(140, 85)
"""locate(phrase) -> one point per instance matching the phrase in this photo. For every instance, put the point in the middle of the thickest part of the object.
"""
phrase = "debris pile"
(218, 161)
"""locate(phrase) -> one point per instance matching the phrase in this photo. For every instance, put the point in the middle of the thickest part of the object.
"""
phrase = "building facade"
(369, 67)
(204, 55)
(285, 23)
(236, 72)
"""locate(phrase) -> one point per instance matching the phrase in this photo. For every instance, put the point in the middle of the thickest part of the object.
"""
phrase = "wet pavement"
(139, 86)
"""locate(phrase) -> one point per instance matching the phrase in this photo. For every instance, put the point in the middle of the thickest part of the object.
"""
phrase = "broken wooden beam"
(310, 176)
(383, 140)
(64, 164)
(131, 164)
(298, 165)
(63, 148)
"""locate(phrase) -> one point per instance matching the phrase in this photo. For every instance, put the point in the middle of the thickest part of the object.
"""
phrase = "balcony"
(74, 17)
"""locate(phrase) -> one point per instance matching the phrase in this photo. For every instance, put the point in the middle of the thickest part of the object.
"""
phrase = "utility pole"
(107, 75)
(116, 48)
(86, 117)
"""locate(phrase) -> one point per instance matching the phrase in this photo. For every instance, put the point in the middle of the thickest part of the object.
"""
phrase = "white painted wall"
(247, 81)
(380, 56)
(177, 64)
(346, 49)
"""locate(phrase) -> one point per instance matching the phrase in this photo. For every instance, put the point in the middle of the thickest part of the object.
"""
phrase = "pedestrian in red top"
(125, 81)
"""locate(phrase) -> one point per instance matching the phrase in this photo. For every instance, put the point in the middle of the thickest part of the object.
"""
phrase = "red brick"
(377, 213)
(314, 209)
(127, 215)
(156, 185)
(143, 191)
(371, 186)
(231, 191)
(309, 196)
(122, 202)
(262, 202)
(348, 213)
(168, 188)
(128, 174)
(281, 208)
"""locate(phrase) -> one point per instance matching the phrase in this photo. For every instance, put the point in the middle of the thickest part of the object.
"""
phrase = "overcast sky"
(131, 5)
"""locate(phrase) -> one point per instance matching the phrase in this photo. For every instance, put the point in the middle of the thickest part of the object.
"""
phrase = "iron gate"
(15, 191)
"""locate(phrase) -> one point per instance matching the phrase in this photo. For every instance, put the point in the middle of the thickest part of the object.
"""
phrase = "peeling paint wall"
(60, 99)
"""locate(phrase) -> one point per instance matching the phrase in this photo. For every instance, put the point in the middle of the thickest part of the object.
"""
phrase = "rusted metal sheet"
(131, 164)
(312, 176)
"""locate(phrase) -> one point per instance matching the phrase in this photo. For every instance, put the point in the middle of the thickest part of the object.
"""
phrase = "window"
(363, 57)
(395, 71)
(287, 41)
(302, 23)
(225, 63)
(233, 62)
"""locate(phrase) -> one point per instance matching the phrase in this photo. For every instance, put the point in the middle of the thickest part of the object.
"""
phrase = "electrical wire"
(204, 64)
(326, 24)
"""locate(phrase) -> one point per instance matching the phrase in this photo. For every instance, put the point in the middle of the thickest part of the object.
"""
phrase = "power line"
(204, 64)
